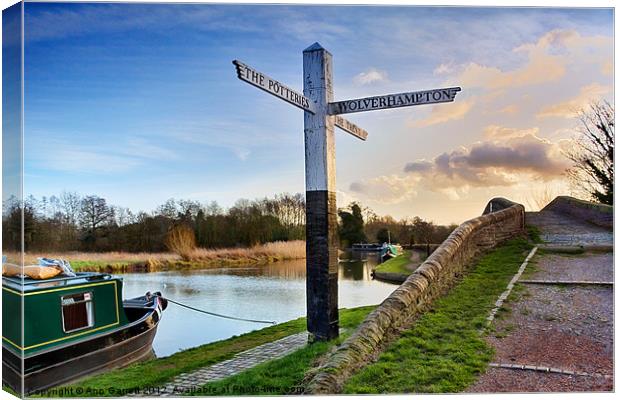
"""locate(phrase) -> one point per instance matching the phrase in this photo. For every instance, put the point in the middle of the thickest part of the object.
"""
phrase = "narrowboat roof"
(29, 285)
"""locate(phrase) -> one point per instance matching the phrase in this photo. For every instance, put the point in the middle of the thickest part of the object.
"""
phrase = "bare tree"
(213, 209)
(95, 213)
(123, 215)
(70, 203)
(592, 155)
(538, 199)
(169, 209)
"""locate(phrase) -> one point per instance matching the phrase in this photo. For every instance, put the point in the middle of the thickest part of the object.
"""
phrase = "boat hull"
(114, 349)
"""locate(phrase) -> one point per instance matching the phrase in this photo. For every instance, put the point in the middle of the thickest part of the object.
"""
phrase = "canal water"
(274, 292)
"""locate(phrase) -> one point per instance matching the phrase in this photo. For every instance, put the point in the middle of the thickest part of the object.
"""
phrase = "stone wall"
(595, 213)
(430, 280)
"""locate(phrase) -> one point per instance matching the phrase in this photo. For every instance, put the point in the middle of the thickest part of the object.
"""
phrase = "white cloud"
(445, 112)
(506, 158)
(499, 133)
(84, 160)
(443, 68)
(142, 148)
(510, 109)
(547, 60)
(386, 189)
(503, 159)
(117, 157)
(371, 75)
(571, 107)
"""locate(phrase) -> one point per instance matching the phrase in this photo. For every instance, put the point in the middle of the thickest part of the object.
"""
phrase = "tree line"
(71, 222)
(361, 225)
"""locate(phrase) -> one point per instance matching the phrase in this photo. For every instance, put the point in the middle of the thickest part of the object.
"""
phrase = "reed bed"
(196, 258)
(273, 251)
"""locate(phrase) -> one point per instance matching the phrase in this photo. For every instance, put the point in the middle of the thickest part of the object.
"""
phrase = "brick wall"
(430, 280)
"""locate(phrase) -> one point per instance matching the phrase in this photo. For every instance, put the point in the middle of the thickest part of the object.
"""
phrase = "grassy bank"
(155, 373)
(397, 264)
(444, 351)
(199, 258)
(113, 260)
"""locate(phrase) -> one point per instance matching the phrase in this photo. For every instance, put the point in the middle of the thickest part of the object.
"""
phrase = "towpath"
(187, 382)
(416, 260)
(558, 334)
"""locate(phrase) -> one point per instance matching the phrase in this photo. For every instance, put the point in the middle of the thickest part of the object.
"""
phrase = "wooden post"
(321, 114)
(321, 212)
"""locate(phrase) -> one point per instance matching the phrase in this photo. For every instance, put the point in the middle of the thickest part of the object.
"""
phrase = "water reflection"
(272, 292)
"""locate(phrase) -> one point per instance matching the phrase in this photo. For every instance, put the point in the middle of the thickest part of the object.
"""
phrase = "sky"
(139, 103)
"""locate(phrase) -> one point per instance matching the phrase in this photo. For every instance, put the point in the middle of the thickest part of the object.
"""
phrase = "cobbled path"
(558, 336)
(187, 382)
(558, 229)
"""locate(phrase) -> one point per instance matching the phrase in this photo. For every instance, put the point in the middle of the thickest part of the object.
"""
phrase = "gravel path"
(568, 328)
(588, 267)
(512, 381)
(564, 327)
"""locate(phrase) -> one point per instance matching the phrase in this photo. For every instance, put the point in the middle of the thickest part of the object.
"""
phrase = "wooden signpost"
(321, 114)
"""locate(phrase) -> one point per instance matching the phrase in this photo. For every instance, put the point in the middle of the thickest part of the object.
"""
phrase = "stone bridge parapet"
(594, 213)
(502, 220)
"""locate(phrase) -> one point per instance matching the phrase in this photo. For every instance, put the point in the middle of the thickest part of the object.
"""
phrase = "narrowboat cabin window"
(77, 311)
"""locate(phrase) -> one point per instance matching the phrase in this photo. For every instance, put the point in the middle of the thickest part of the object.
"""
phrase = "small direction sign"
(350, 127)
(270, 85)
(445, 95)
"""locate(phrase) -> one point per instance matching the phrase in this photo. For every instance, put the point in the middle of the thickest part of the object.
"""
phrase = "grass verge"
(397, 264)
(155, 373)
(444, 351)
(534, 233)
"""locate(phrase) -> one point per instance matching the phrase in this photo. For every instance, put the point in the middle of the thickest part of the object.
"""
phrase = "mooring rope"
(219, 315)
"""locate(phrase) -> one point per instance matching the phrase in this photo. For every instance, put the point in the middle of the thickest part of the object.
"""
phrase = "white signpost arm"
(396, 100)
(350, 127)
(271, 86)
(278, 89)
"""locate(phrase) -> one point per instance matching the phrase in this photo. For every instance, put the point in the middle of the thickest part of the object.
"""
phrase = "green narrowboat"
(72, 327)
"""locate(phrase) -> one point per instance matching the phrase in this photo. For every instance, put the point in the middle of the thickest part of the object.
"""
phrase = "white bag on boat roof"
(63, 264)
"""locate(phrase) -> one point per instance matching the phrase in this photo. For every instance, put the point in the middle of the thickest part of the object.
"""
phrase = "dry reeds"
(102, 257)
(292, 250)
(182, 241)
(274, 251)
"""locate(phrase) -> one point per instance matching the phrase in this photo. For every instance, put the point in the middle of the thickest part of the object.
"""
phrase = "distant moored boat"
(388, 251)
(368, 247)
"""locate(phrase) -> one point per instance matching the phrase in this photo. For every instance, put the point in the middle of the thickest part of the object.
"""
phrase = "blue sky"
(140, 103)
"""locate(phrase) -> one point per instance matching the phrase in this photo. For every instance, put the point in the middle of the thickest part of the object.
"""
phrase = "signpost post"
(321, 114)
